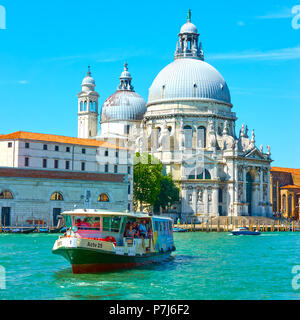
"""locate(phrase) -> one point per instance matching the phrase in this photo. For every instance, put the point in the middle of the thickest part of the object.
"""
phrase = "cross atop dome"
(189, 17)
(188, 45)
(89, 82)
(89, 74)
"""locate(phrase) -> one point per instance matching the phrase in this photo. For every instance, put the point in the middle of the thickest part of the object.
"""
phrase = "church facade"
(188, 124)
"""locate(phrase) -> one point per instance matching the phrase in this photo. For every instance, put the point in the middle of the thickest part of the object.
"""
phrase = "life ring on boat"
(111, 239)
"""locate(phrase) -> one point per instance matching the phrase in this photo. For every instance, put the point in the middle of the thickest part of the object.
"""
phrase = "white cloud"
(278, 54)
(23, 82)
(283, 13)
(240, 23)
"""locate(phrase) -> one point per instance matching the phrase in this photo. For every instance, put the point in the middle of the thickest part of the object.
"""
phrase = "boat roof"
(99, 212)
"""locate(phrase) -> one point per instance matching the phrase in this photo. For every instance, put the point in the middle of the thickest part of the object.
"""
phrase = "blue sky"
(47, 46)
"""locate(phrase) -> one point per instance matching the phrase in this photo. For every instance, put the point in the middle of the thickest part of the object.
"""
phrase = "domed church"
(188, 124)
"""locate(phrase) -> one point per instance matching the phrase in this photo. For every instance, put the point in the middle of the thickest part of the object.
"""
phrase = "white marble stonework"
(190, 126)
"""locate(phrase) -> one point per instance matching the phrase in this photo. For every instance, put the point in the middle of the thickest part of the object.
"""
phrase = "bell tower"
(88, 108)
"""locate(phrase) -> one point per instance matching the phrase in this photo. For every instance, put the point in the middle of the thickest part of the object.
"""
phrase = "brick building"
(285, 191)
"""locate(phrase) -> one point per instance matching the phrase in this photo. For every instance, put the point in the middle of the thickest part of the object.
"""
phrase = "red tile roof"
(23, 135)
(47, 174)
(287, 170)
(289, 186)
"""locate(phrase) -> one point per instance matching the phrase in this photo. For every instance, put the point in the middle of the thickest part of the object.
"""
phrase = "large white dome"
(189, 78)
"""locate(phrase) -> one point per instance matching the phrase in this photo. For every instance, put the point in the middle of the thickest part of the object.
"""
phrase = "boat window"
(87, 223)
(115, 224)
(161, 227)
(156, 226)
(111, 224)
(68, 221)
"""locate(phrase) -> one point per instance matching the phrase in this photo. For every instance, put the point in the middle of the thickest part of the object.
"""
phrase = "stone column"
(293, 205)
(205, 201)
(244, 184)
(215, 201)
(195, 198)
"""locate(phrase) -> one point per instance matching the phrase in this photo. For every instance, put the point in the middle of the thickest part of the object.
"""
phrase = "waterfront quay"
(226, 224)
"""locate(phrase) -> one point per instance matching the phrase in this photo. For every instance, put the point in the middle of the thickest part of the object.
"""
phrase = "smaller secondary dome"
(88, 80)
(123, 105)
(188, 28)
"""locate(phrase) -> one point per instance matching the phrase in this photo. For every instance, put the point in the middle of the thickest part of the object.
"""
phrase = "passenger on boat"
(78, 223)
(150, 233)
(85, 223)
(142, 229)
(96, 225)
(130, 232)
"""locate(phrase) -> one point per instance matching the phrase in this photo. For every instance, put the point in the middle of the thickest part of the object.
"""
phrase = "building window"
(129, 207)
(26, 162)
(82, 166)
(45, 147)
(220, 195)
(27, 145)
(117, 154)
(5, 194)
(10, 144)
(68, 149)
(56, 164)
(106, 153)
(129, 170)
(56, 148)
(57, 196)
(188, 135)
(83, 151)
(201, 137)
(106, 168)
(103, 198)
(284, 203)
(129, 189)
(67, 165)
(115, 169)
(44, 163)
(127, 130)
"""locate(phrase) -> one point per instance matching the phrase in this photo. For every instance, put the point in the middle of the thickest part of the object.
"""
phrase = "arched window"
(81, 106)
(57, 196)
(85, 105)
(201, 137)
(290, 204)
(207, 175)
(188, 135)
(284, 203)
(5, 194)
(94, 106)
(103, 198)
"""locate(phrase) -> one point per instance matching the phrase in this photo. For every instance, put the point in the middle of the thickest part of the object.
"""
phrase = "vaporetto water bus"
(98, 240)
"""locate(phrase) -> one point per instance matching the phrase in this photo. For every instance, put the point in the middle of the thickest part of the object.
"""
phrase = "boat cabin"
(121, 228)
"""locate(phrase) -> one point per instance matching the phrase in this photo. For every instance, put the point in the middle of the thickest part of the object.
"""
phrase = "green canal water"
(205, 266)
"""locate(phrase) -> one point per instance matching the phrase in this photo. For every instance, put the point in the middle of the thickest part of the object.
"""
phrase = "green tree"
(146, 184)
(169, 193)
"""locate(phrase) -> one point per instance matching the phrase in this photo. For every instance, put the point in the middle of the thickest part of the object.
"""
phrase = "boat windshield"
(87, 223)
